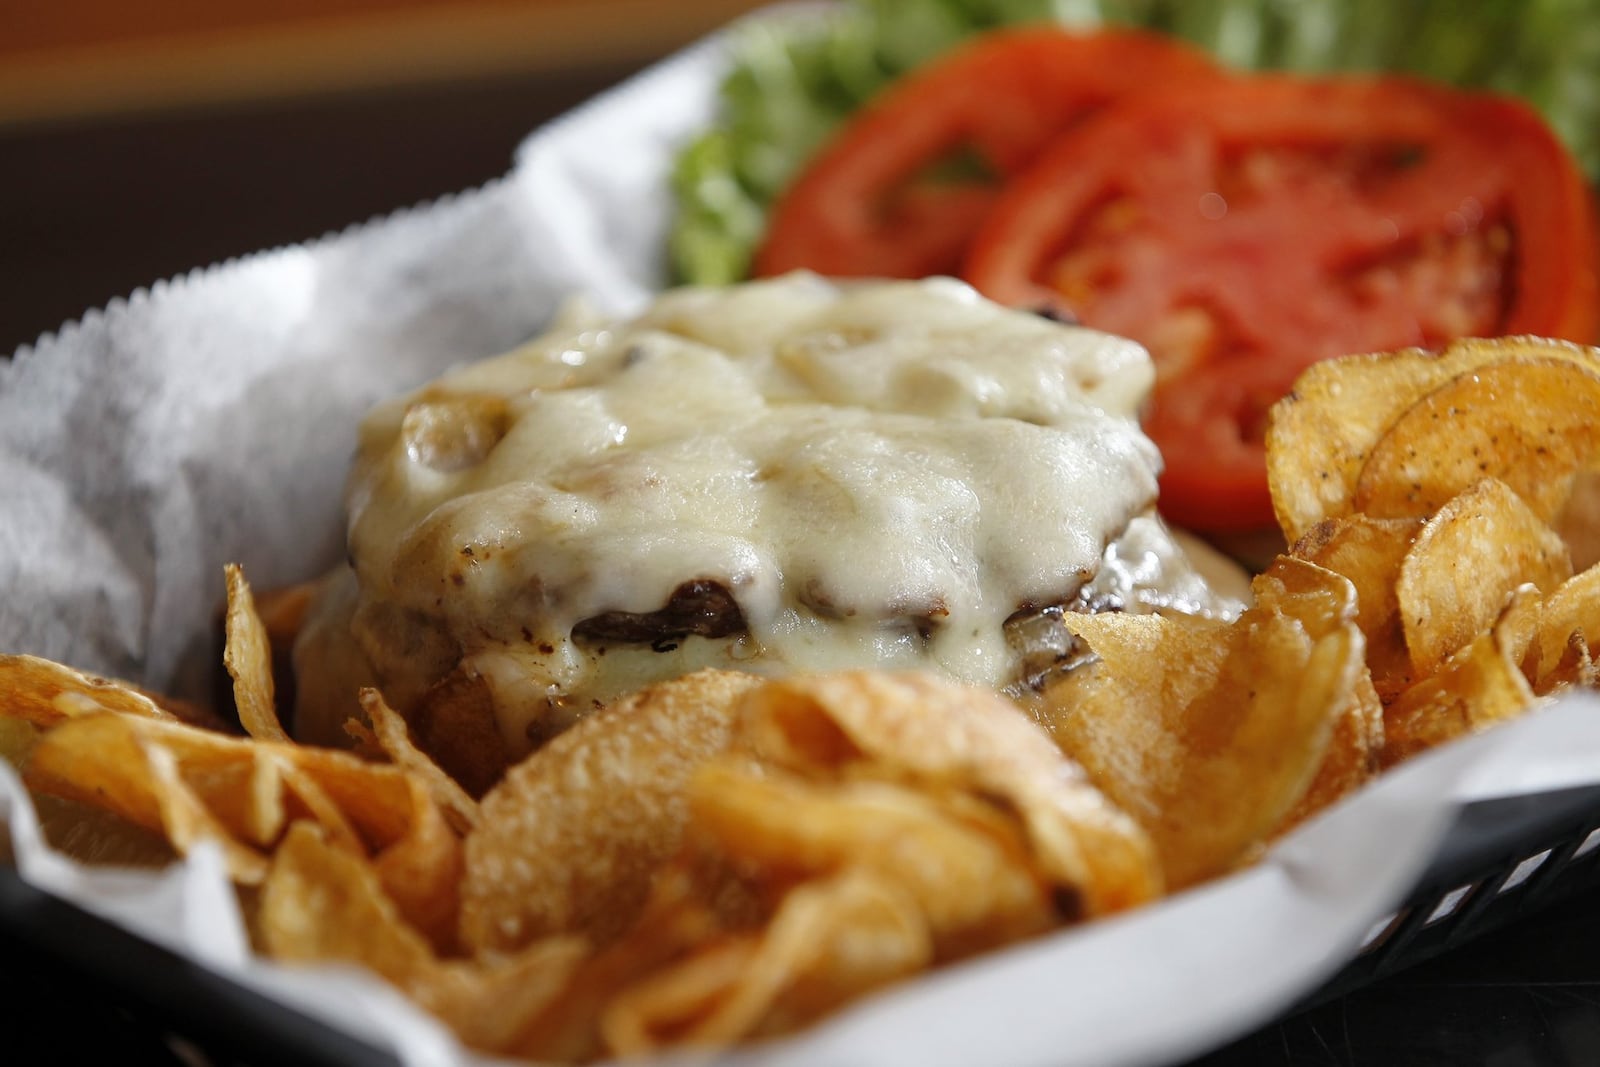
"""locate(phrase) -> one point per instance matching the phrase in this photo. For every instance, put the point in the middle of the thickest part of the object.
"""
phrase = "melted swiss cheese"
(879, 474)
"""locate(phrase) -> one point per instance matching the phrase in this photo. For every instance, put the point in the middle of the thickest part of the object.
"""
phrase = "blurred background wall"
(144, 138)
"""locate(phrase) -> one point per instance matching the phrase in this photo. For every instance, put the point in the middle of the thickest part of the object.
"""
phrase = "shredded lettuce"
(795, 79)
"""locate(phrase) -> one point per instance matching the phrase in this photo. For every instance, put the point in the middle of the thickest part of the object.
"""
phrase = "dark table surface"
(93, 210)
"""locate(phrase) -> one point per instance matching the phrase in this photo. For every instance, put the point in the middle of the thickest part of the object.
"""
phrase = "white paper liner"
(209, 420)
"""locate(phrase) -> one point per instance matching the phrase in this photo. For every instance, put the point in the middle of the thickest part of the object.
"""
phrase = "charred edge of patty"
(1045, 647)
(697, 608)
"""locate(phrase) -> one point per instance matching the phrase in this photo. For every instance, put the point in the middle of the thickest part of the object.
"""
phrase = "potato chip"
(423, 868)
(390, 734)
(45, 693)
(107, 761)
(87, 834)
(1207, 733)
(17, 738)
(393, 817)
(186, 820)
(829, 942)
(266, 811)
(1477, 686)
(247, 654)
(1354, 756)
(944, 738)
(1575, 668)
(1322, 600)
(855, 828)
(303, 791)
(572, 836)
(98, 837)
(1368, 552)
(97, 760)
(103, 756)
(1325, 602)
(1320, 436)
(1529, 423)
(972, 880)
(1579, 522)
(191, 784)
(1571, 610)
(1466, 561)
(868, 826)
(678, 918)
(322, 903)
(369, 809)
(663, 1009)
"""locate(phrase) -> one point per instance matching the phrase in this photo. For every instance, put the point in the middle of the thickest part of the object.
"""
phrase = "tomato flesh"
(1210, 423)
(872, 203)
(1246, 228)
(1349, 281)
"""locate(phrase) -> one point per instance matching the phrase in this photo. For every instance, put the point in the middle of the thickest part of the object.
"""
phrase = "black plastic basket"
(1501, 859)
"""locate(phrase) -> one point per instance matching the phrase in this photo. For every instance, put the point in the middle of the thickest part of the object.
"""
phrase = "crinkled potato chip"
(830, 941)
(1369, 552)
(322, 903)
(1479, 685)
(1320, 436)
(680, 1006)
(572, 837)
(941, 736)
(1466, 562)
(1325, 602)
(1571, 611)
(98, 837)
(969, 875)
(1354, 756)
(190, 784)
(108, 760)
(294, 786)
(187, 821)
(1579, 522)
(422, 869)
(104, 756)
(247, 654)
(97, 759)
(44, 693)
(17, 738)
(877, 824)
(390, 734)
(1575, 669)
(679, 916)
(1530, 423)
(1207, 733)
(87, 830)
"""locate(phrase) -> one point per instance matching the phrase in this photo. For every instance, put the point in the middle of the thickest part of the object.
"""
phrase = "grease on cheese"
(880, 475)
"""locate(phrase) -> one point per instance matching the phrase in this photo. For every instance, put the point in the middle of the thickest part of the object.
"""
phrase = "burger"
(781, 476)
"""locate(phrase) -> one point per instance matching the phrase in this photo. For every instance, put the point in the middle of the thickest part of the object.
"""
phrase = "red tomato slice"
(872, 204)
(1279, 221)
(1210, 423)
